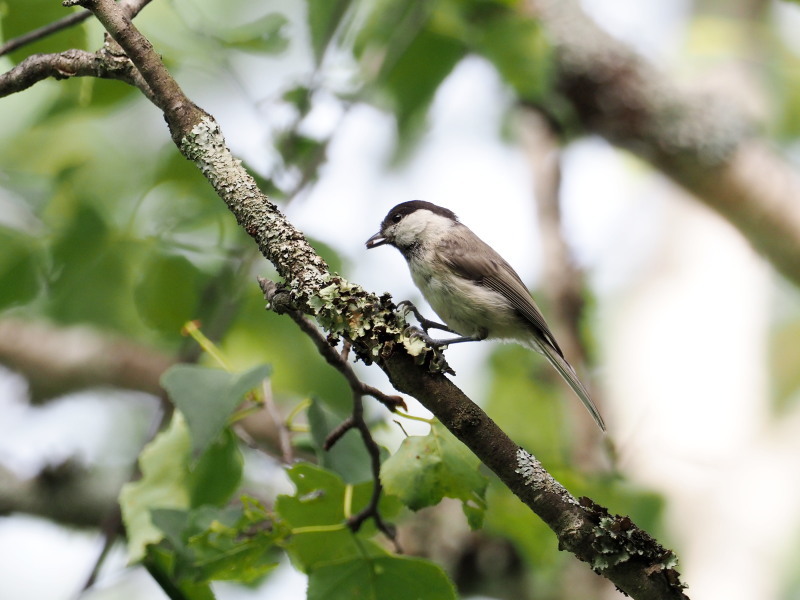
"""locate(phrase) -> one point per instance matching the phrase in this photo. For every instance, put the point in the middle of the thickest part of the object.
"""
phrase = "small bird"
(470, 286)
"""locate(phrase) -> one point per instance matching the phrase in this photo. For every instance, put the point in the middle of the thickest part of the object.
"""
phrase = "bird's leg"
(426, 324)
(436, 344)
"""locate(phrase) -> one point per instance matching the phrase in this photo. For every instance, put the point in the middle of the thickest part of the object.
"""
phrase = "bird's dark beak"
(376, 240)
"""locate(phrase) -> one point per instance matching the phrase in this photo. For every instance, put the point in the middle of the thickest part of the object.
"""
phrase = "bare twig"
(356, 420)
(43, 32)
(371, 509)
(132, 6)
(284, 435)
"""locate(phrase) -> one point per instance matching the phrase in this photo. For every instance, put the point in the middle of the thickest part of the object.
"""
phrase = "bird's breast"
(464, 305)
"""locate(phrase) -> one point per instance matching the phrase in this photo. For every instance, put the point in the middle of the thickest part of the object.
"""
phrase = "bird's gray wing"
(486, 267)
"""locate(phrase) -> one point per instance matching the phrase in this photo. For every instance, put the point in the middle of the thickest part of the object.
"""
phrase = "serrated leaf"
(209, 543)
(384, 577)
(320, 502)
(425, 469)
(164, 467)
(207, 397)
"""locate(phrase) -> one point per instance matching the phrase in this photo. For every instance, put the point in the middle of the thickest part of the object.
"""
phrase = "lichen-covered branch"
(66, 493)
(612, 545)
(71, 63)
(59, 360)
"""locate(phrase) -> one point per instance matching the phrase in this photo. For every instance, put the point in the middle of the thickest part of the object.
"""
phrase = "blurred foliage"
(103, 223)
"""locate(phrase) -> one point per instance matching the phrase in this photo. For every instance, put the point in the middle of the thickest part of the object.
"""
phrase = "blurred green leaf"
(168, 292)
(92, 273)
(218, 473)
(207, 397)
(160, 564)
(300, 98)
(425, 469)
(414, 78)
(265, 35)
(518, 48)
(324, 17)
(21, 264)
(19, 17)
(384, 577)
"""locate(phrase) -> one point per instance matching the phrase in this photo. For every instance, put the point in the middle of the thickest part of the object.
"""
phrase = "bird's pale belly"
(469, 308)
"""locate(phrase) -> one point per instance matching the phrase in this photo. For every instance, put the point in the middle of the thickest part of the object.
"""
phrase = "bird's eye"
(396, 217)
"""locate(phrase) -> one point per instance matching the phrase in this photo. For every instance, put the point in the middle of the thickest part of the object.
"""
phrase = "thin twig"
(41, 33)
(133, 8)
(356, 420)
(335, 359)
(284, 435)
(371, 510)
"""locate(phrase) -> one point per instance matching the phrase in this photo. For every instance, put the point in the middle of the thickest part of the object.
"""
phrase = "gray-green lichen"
(534, 475)
(343, 309)
(616, 539)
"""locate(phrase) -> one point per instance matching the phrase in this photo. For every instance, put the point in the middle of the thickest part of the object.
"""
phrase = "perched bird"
(469, 285)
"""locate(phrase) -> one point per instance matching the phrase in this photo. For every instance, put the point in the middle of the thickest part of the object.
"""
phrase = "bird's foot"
(407, 306)
(437, 360)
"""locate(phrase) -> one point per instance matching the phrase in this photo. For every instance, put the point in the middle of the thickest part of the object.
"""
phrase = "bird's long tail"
(568, 373)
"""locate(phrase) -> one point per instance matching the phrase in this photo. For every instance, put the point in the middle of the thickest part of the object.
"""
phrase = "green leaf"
(20, 267)
(419, 71)
(92, 271)
(324, 17)
(160, 563)
(427, 468)
(218, 473)
(168, 292)
(164, 467)
(518, 48)
(209, 543)
(22, 16)
(384, 577)
(207, 397)
(265, 35)
(348, 457)
(319, 503)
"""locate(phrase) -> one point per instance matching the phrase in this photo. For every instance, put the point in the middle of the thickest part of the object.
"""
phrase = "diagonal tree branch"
(612, 545)
(703, 143)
